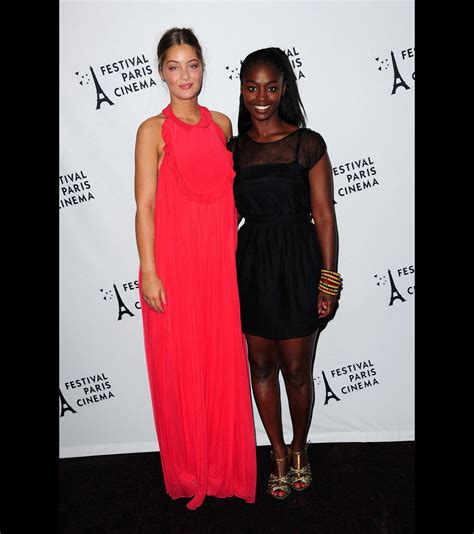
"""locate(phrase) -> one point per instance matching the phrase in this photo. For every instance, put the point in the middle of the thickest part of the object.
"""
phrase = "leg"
(296, 358)
(263, 358)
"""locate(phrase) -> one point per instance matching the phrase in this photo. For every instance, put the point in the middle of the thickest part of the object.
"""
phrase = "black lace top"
(272, 178)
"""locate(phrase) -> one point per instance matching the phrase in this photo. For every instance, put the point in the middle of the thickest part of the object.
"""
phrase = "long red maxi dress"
(195, 351)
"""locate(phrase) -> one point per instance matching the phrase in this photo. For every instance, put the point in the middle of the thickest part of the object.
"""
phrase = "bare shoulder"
(150, 129)
(220, 118)
(223, 122)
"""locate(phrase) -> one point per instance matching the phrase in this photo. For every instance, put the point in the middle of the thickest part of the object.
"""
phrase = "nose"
(260, 93)
(184, 74)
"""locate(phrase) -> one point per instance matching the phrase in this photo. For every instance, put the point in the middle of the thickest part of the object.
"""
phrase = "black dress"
(278, 253)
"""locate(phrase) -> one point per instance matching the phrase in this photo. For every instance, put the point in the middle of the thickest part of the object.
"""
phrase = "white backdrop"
(355, 66)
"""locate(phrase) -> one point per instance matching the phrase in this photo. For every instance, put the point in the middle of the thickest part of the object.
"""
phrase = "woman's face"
(182, 71)
(262, 88)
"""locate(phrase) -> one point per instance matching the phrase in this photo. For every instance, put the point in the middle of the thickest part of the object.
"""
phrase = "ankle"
(298, 446)
(280, 451)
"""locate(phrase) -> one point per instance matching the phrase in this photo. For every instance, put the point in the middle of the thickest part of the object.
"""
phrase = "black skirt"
(278, 270)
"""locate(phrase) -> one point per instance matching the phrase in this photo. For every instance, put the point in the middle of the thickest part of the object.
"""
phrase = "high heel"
(279, 483)
(300, 474)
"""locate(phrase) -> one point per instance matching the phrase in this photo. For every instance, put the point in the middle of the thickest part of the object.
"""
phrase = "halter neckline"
(203, 122)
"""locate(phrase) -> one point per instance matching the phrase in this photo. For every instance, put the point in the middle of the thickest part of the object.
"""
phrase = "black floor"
(358, 488)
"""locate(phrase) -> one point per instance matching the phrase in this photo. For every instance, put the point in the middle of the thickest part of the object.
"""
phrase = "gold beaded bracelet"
(328, 292)
(330, 282)
(327, 272)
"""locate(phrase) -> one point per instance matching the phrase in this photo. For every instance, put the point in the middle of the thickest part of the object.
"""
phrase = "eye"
(194, 66)
(272, 89)
(251, 88)
(173, 68)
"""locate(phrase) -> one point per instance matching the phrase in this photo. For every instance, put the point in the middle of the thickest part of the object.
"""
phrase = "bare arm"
(225, 125)
(223, 122)
(148, 151)
(324, 216)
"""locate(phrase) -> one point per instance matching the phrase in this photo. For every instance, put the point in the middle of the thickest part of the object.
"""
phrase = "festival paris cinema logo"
(75, 188)
(355, 176)
(126, 300)
(346, 380)
(293, 54)
(400, 65)
(110, 82)
(397, 284)
(81, 392)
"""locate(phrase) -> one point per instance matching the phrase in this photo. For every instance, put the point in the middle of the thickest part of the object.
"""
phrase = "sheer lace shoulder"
(312, 148)
(303, 145)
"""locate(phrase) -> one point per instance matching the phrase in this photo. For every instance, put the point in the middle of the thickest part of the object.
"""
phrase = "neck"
(266, 128)
(185, 109)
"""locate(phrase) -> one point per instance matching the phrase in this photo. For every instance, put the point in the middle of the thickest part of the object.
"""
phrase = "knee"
(296, 377)
(262, 371)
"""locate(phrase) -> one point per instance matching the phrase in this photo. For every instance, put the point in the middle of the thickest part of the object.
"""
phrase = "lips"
(259, 108)
(186, 86)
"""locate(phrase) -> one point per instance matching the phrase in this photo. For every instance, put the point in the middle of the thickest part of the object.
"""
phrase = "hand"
(326, 304)
(153, 292)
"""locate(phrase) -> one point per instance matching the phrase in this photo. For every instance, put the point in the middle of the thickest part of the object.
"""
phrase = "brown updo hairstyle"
(177, 36)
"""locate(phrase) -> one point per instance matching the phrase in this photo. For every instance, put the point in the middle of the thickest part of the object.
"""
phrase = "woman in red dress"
(186, 230)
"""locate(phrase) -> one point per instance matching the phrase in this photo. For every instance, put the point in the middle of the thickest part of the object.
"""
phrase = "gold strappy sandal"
(300, 474)
(281, 483)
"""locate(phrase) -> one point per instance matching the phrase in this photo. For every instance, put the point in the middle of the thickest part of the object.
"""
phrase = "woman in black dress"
(286, 265)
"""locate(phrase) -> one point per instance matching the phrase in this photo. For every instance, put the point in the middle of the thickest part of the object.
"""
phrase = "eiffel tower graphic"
(398, 81)
(101, 96)
(329, 392)
(122, 308)
(65, 405)
(395, 294)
